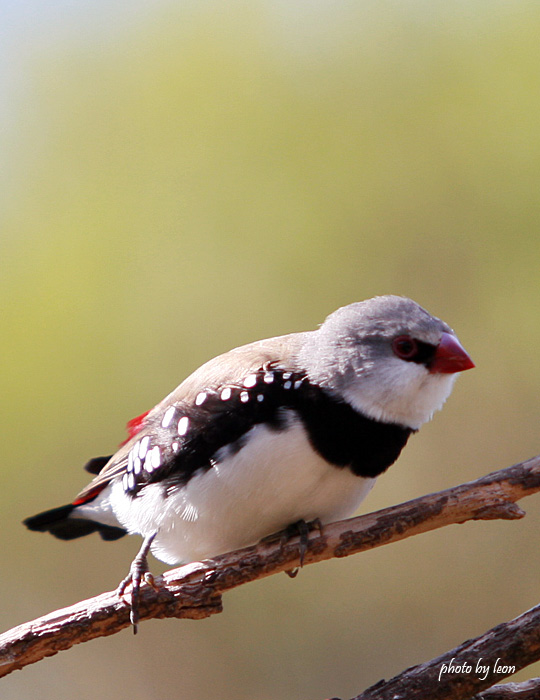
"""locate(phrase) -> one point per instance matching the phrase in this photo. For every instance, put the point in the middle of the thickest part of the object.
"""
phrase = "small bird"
(287, 430)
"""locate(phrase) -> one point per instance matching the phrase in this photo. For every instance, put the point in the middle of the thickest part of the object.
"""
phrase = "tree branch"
(470, 668)
(194, 591)
(529, 690)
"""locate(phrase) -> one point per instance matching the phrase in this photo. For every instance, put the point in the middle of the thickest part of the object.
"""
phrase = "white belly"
(271, 482)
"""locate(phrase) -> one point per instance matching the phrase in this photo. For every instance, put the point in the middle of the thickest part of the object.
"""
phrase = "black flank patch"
(341, 435)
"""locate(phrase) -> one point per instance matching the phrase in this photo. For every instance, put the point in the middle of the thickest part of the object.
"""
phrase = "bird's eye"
(405, 347)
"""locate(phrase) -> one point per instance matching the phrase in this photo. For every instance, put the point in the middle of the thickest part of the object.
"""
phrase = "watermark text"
(481, 668)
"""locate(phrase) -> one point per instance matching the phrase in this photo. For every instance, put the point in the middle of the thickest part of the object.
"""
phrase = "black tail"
(59, 524)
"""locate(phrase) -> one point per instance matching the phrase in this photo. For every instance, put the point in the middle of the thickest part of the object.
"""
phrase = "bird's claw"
(151, 581)
(138, 572)
(299, 529)
(133, 579)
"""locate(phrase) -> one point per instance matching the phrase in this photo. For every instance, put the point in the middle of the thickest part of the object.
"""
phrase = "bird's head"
(387, 357)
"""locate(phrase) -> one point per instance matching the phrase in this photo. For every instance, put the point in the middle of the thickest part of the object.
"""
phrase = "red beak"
(450, 357)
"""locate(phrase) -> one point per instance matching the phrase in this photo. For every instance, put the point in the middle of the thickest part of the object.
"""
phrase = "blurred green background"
(180, 178)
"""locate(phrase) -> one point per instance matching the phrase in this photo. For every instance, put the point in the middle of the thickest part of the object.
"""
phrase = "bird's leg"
(138, 571)
(298, 529)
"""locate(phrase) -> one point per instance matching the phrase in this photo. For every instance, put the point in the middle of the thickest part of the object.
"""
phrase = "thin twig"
(194, 591)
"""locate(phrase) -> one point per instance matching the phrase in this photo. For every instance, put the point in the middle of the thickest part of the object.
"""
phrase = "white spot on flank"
(250, 381)
(131, 481)
(125, 482)
(167, 418)
(201, 398)
(155, 457)
(137, 466)
(175, 447)
(143, 446)
(287, 375)
(130, 461)
(183, 425)
(287, 385)
(268, 377)
(226, 394)
(260, 397)
(244, 396)
(298, 384)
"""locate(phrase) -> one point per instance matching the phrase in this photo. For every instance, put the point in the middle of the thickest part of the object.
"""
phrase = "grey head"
(356, 353)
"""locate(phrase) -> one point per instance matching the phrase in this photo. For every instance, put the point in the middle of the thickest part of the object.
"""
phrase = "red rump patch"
(134, 426)
(90, 495)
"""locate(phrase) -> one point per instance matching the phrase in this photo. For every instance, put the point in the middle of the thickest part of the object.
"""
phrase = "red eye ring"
(405, 347)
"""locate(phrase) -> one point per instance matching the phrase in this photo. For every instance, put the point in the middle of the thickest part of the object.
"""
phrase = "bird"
(290, 429)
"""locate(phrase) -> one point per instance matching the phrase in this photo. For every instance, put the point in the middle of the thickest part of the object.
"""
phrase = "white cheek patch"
(407, 394)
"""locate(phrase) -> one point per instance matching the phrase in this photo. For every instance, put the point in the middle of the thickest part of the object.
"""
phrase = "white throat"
(407, 395)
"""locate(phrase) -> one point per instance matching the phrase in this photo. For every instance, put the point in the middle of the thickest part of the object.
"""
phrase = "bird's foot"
(138, 572)
(298, 529)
